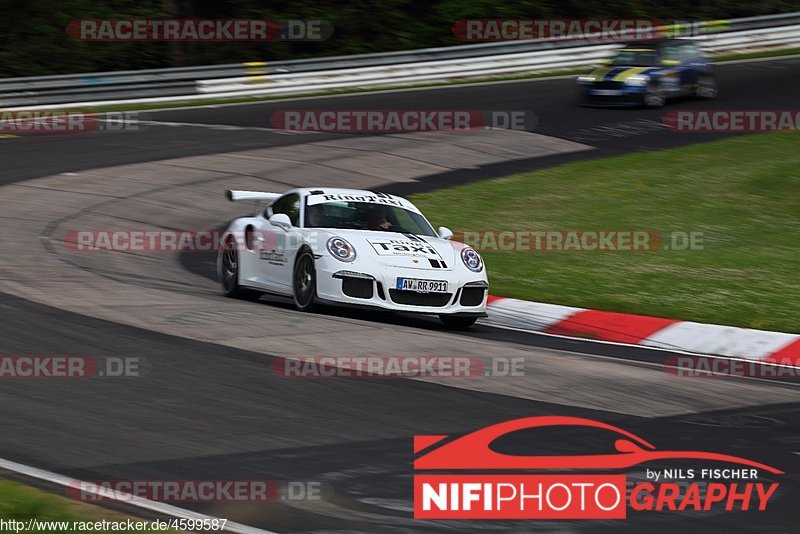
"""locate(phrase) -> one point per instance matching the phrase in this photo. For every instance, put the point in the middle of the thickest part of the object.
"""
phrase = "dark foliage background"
(33, 38)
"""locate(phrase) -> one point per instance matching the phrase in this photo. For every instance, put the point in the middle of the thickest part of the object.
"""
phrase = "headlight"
(341, 249)
(472, 259)
(638, 80)
(586, 79)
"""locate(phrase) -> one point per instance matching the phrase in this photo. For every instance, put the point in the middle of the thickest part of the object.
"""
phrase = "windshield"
(366, 216)
(636, 57)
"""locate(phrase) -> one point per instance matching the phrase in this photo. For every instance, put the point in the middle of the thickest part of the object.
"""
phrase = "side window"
(687, 52)
(671, 53)
(290, 205)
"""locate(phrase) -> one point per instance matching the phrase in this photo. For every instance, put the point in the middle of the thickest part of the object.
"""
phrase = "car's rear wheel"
(706, 87)
(457, 322)
(228, 268)
(304, 281)
(653, 96)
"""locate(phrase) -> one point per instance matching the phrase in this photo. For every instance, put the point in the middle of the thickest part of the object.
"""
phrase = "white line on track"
(212, 126)
(153, 506)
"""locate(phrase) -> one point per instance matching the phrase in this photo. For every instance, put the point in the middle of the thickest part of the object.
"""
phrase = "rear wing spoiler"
(234, 196)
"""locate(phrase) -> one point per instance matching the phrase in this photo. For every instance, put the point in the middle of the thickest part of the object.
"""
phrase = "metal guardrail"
(368, 70)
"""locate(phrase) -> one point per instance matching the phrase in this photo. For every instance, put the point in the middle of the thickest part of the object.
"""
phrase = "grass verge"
(54, 513)
(742, 194)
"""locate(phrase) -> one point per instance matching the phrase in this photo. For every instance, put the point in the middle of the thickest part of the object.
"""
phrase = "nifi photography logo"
(466, 478)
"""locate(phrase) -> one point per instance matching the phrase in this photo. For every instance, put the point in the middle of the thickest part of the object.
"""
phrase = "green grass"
(742, 193)
(20, 502)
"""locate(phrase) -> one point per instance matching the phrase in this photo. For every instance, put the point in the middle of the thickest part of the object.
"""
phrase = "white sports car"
(353, 248)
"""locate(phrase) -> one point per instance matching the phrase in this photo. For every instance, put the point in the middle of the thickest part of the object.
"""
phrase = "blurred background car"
(648, 73)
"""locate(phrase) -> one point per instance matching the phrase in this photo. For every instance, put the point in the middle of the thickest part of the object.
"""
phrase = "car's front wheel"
(654, 96)
(304, 281)
(228, 269)
(706, 87)
(457, 322)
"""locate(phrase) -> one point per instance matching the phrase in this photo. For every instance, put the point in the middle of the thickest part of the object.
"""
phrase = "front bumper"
(603, 94)
(343, 284)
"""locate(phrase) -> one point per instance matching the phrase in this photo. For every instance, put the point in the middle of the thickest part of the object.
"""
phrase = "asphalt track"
(759, 84)
(211, 409)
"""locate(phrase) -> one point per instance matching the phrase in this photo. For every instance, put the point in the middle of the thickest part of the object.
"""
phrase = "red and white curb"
(669, 334)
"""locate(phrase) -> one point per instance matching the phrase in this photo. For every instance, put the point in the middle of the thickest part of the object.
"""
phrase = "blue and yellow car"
(648, 73)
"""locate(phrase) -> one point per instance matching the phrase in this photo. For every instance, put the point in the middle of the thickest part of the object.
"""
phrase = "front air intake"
(359, 288)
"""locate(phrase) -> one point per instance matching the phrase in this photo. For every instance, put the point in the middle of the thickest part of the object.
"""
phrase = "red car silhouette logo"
(473, 451)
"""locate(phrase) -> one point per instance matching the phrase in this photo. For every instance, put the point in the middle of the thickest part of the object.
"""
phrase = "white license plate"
(606, 92)
(422, 286)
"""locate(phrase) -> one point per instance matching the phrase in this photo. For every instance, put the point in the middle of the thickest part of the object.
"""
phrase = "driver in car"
(377, 219)
(314, 216)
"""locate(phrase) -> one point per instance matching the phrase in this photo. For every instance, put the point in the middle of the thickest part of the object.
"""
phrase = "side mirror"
(444, 232)
(670, 62)
(282, 220)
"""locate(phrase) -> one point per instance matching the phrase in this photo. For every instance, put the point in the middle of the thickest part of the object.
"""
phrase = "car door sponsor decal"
(273, 258)
(670, 80)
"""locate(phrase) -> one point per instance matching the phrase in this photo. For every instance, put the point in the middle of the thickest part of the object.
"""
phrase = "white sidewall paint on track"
(722, 340)
(679, 336)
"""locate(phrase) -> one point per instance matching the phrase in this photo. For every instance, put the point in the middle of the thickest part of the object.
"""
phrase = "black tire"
(304, 281)
(228, 271)
(458, 322)
(653, 97)
(706, 87)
